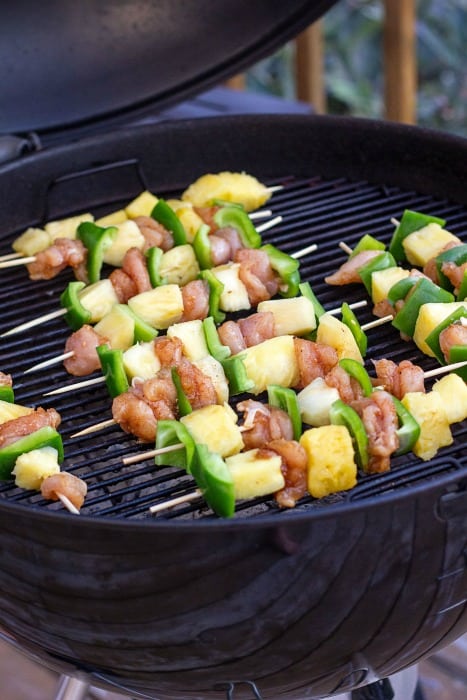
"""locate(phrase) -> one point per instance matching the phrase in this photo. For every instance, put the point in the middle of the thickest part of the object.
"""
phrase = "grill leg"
(72, 689)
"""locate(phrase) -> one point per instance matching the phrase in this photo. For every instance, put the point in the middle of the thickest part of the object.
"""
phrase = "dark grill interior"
(314, 211)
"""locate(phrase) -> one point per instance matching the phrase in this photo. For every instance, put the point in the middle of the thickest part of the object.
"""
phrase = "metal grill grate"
(314, 211)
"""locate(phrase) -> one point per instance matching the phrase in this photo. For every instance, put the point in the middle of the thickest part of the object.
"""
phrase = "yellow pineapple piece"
(331, 465)
(32, 241)
(128, 236)
(179, 265)
(113, 219)
(31, 468)
(429, 412)
(294, 316)
(191, 333)
(216, 427)
(142, 205)
(453, 391)
(335, 333)
(255, 475)
(191, 221)
(429, 316)
(383, 280)
(228, 186)
(98, 298)
(234, 296)
(141, 361)
(271, 362)
(160, 307)
(66, 228)
(426, 243)
(117, 327)
(10, 411)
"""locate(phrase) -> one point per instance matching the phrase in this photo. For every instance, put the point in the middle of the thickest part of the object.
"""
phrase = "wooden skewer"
(51, 361)
(304, 251)
(94, 428)
(347, 249)
(152, 453)
(377, 322)
(35, 322)
(176, 501)
(68, 504)
(444, 368)
(274, 188)
(260, 214)
(269, 224)
(18, 261)
(10, 256)
(78, 385)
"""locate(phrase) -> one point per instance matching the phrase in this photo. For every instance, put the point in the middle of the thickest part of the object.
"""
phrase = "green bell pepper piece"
(462, 293)
(286, 399)
(153, 261)
(44, 437)
(184, 406)
(458, 353)
(143, 332)
(237, 218)
(166, 216)
(379, 262)
(113, 369)
(367, 242)
(6, 393)
(411, 221)
(215, 290)
(306, 291)
(408, 431)
(400, 290)
(96, 239)
(202, 247)
(342, 414)
(172, 432)
(457, 255)
(432, 339)
(76, 315)
(216, 349)
(235, 371)
(286, 267)
(351, 321)
(214, 479)
(423, 292)
(358, 372)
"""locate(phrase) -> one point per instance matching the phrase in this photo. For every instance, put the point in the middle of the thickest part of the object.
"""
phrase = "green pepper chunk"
(184, 406)
(408, 431)
(237, 377)
(458, 353)
(153, 261)
(202, 247)
(172, 432)
(96, 240)
(351, 321)
(358, 372)
(76, 315)
(432, 339)
(166, 216)
(216, 348)
(143, 332)
(237, 218)
(306, 291)
(400, 290)
(423, 292)
(342, 414)
(44, 437)
(411, 221)
(113, 369)
(367, 242)
(456, 255)
(214, 479)
(215, 290)
(286, 399)
(379, 262)
(6, 393)
(287, 269)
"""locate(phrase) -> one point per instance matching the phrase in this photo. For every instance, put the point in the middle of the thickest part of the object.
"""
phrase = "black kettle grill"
(329, 596)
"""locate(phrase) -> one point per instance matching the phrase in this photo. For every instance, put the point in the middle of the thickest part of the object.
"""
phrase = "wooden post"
(400, 63)
(309, 69)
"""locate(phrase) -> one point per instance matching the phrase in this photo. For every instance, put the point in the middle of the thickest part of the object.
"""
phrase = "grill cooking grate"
(314, 211)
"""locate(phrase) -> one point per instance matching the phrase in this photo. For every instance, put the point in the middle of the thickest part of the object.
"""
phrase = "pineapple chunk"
(271, 362)
(142, 205)
(234, 296)
(10, 411)
(429, 316)
(331, 465)
(98, 298)
(160, 307)
(113, 219)
(333, 332)
(230, 187)
(141, 361)
(383, 280)
(128, 236)
(179, 265)
(429, 412)
(32, 241)
(31, 468)
(315, 401)
(190, 220)
(213, 369)
(291, 316)
(255, 476)
(216, 427)
(453, 391)
(426, 243)
(118, 327)
(66, 228)
(191, 333)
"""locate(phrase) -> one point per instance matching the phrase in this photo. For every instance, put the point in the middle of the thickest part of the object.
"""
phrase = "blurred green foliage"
(354, 68)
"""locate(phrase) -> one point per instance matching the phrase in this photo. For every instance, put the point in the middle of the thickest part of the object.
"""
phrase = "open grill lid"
(65, 63)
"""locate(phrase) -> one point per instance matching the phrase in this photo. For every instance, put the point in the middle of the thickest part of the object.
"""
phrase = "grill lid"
(120, 59)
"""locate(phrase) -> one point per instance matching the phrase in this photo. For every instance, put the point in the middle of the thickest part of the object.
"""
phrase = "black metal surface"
(65, 64)
(326, 597)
